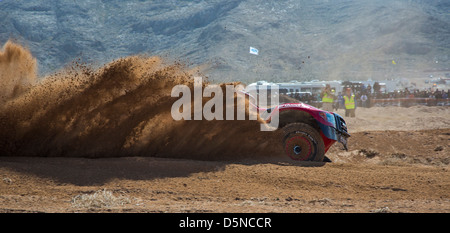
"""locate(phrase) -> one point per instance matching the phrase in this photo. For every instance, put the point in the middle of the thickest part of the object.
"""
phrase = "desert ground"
(397, 161)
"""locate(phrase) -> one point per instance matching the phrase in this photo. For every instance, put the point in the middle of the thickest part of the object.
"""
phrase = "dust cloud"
(120, 109)
(17, 70)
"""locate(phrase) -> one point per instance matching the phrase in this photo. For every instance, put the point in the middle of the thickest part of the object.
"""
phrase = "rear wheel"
(303, 143)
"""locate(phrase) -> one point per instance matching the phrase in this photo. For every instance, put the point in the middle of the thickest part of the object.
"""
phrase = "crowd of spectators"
(437, 94)
(367, 96)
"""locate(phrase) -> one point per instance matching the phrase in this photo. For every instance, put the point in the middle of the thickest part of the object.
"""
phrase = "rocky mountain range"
(295, 39)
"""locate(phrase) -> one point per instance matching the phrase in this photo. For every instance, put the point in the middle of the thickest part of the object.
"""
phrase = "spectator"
(350, 106)
(364, 100)
(327, 98)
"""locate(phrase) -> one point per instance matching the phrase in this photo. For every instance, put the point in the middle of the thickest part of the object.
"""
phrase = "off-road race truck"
(308, 132)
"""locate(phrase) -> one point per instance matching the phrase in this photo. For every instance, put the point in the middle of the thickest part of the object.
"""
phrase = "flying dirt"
(120, 109)
(18, 70)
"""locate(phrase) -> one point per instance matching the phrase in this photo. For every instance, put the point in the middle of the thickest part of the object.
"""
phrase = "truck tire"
(303, 143)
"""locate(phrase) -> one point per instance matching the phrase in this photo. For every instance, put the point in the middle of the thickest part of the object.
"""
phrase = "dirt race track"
(398, 161)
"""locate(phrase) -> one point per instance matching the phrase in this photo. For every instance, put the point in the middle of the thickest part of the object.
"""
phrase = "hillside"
(300, 40)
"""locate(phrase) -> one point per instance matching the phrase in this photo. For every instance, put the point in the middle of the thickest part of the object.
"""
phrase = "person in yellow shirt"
(349, 100)
(327, 99)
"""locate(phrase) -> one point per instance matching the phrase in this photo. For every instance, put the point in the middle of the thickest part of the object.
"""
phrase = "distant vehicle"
(308, 132)
(291, 87)
(300, 94)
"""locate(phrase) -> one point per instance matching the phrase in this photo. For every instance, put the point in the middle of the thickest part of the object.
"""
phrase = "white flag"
(253, 51)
